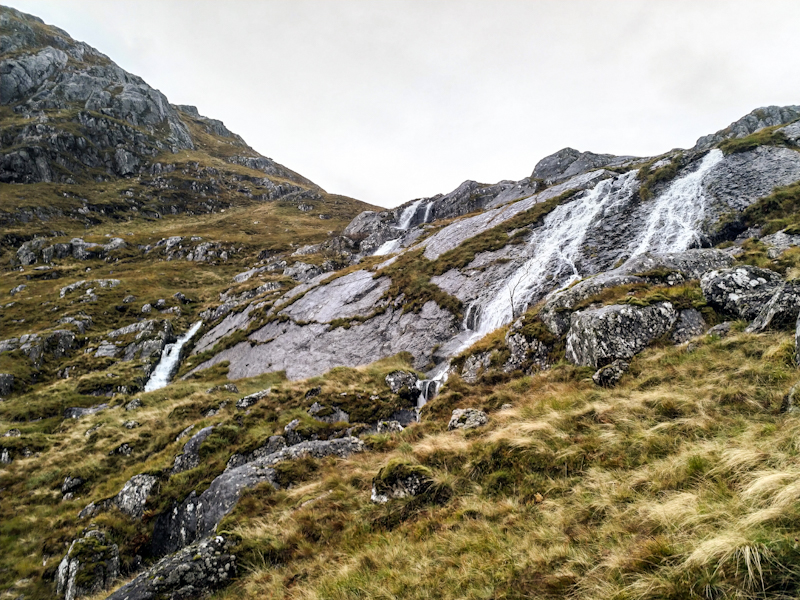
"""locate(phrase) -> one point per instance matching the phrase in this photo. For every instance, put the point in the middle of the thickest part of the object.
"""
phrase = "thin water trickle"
(168, 364)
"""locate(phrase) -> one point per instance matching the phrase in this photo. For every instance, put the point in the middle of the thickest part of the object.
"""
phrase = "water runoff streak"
(168, 364)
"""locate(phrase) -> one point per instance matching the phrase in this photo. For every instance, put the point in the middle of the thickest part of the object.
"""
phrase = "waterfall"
(404, 222)
(672, 225)
(554, 248)
(168, 363)
(427, 211)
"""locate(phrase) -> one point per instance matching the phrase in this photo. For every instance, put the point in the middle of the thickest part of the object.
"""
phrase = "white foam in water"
(168, 364)
(387, 247)
(677, 213)
(408, 214)
(556, 244)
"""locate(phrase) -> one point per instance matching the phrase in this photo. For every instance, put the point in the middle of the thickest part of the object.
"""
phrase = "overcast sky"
(389, 101)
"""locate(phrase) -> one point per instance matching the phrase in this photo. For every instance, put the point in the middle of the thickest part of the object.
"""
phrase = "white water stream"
(677, 213)
(168, 364)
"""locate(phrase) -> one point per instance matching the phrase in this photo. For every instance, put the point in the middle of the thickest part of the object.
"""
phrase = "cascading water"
(427, 212)
(168, 363)
(676, 214)
(403, 223)
(556, 245)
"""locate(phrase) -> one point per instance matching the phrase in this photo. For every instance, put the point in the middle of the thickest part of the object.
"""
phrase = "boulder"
(328, 415)
(78, 413)
(71, 484)
(250, 400)
(191, 451)
(403, 383)
(599, 336)
(791, 401)
(690, 324)
(198, 515)
(722, 330)
(389, 427)
(90, 566)
(740, 291)
(525, 354)
(609, 375)
(467, 418)
(781, 311)
(191, 573)
(400, 479)
(130, 500)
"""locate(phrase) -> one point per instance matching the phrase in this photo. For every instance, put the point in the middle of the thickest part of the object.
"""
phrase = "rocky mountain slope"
(218, 379)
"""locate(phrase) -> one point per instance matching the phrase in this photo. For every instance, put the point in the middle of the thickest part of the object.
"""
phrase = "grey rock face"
(740, 291)
(274, 444)
(71, 484)
(198, 515)
(389, 427)
(6, 384)
(778, 243)
(721, 330)
(467, 418)
(791, 402)
(781, 311)
(90, 566)
(309, 350)
(569, 162)
(525, 354)
(690, 324)
(191, 573)
(355, 294)
(599, 336)
(191, 451)
(609, 375)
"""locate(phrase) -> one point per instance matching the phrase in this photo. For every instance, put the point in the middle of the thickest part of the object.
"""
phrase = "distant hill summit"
(70, 115)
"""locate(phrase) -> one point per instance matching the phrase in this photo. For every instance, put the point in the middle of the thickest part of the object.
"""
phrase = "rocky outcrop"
(38, 347)
(90, 566)
(568, 163)
(193, 572)
(740, 291)
(248, 401)
(400, 479)
(599, 336)
(198, 515)
(690, 324)
(191, 451)
(130, 500)
(76, 412)
(467, 418)
(767, 116)
(403, 383)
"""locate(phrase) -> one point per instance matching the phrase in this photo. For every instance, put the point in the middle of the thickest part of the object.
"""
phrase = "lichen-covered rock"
(90, 565)
(194, 572)
(389, 427)
(740, 291)
(797, 341)
(474, 365)
(198, 515)
(609, 375)
(791, 401)
(467, 418)
(133, 495)
(71, 484)
(191, 451)
(669, 268)
(690, 324)
(402, 382)
(248, 401)
(722, 330)
(781, 311)
(400, 479)
(526, 354)
(599, 336)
